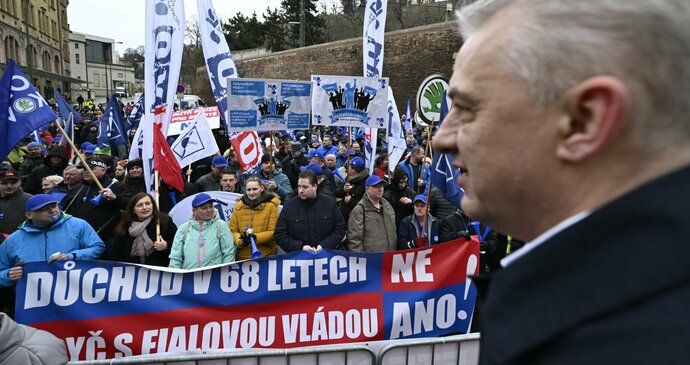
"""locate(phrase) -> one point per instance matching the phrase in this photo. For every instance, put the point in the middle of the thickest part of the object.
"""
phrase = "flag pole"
(347, 159)
(270, 173)
(431, 183)
(156, 197)
(81, 157)
(189, 173)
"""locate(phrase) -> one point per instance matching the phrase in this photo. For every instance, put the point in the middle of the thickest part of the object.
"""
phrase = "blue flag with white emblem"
(64, 109)
(22, 108)
(443, 175)
(111, 130)
(135, 115)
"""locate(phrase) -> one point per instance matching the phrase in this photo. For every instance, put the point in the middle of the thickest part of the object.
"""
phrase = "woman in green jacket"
(204, 240)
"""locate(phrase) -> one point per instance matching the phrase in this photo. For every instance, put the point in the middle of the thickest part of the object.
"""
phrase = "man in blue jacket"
(46, 235)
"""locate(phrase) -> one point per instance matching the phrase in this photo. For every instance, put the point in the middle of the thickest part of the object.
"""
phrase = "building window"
(76, 58)
(45, 58)
(11, 49)
(120, 75)
(76, 46)
(56, 64)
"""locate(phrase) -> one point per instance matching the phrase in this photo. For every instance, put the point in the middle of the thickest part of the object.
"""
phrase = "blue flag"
(22, 108)
(443, 175)
(135, 116)
(64, 109)
(111, 131)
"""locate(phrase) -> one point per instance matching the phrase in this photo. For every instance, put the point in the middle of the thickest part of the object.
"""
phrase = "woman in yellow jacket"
(255, 215)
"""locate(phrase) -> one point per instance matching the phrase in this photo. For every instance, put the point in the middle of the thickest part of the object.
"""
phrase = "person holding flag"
(254, 219)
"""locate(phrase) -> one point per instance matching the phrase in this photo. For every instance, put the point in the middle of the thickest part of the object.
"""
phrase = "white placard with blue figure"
(350, 101)
(264, 104)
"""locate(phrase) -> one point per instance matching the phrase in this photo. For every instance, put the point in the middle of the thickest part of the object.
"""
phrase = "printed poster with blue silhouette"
(263, 104)
(350, 101)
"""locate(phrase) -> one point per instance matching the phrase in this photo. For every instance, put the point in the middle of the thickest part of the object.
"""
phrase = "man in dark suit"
(570, 126)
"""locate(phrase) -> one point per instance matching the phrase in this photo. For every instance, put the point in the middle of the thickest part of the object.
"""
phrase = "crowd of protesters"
(313, 191)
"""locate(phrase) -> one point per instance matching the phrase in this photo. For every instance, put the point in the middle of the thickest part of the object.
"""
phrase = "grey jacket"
(209, 182)
(370, 229)
(21, 344)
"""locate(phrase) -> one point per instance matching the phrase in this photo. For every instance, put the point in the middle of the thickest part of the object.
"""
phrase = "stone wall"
(410, 56)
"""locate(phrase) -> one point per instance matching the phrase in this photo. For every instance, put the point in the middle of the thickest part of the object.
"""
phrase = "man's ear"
(27, 215)
(593, 111)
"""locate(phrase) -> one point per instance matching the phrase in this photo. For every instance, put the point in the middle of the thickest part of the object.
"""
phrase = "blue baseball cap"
(357, 163)
(201, 199)
(39, 201)
(34, 144)
(219, 161)
(314, 167)
(90, 149)
(420, 198)
(85, 145)
(314, 153)
(374, 180)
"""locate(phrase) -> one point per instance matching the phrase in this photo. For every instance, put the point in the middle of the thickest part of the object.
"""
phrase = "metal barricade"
(318, 355)
(457, 350)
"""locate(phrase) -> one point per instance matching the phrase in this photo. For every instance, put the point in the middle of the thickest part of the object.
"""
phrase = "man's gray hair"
(556, 44)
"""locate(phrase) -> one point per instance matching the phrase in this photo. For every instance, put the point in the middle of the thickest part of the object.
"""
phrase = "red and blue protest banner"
(109, 310)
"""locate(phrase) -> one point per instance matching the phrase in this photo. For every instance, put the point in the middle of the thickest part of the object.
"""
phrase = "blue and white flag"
(135, 115)
(374, 28)
(22, 108)
(196, 142)
(356, 101)
(219, 63)
(64, 109)
(263, 104)
(164, 41)
(111, 131)
(443, 175)
(396, 137)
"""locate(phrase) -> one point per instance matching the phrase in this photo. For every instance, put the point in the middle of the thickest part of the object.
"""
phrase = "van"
(190, 101)
(120, 92)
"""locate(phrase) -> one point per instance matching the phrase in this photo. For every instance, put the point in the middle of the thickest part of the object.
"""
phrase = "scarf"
(142, 246)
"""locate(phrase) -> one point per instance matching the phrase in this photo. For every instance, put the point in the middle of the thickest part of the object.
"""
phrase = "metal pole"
(29, 55)
(301, 23)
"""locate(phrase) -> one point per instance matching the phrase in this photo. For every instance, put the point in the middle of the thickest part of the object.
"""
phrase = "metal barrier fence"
(457, 350)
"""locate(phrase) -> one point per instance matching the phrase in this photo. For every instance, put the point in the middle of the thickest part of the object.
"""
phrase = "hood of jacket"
(28, 227)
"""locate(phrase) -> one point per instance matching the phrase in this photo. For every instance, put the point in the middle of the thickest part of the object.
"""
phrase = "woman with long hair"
(255, 216)
(135, 237)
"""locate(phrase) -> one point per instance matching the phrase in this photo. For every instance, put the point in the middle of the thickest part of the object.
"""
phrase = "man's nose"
(444, 140)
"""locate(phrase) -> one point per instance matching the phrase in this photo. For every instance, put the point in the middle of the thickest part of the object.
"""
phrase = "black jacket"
(102, 217)
(33, 182)
(440, 206)
(407, 233)
(356, 192)
(135, 184)
(291, 167)
(613, 288)
(311, 222)
(393, 194)
(121, 245)
(12, 211)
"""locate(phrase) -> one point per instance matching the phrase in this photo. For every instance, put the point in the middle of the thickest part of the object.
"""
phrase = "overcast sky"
(123, 20)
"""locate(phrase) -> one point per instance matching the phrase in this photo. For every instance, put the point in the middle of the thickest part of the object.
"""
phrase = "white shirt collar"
(529, 246)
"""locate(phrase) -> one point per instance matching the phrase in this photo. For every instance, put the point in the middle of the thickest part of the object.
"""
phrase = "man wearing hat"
(292, 163)
(134, 180)
(353, 190)
(327, 148)
(277, 182)
(211, 181)
(54, 164)
(33, 159)
(12, 200)
(420, 229)
(102, 216)
(371, 226)
(47, 235)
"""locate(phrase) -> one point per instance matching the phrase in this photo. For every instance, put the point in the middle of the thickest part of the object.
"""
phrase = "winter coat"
(69, 235)
(283, 187)
(407, 232)
(216, 246)
(33, 182)
(102, 217)
(135, 184)
(356, 192)
(20, 344)
(425, 175)
(312, 222)
(324, 151)
(12, 211)
(323, 187)
(29, 164)
(262, 218)
(393, 194)
(121, 246)
(209, 182)
(370, 229)
(291, 167)
(439, 205)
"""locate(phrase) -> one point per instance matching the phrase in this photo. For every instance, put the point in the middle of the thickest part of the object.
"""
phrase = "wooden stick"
(270, 173)
(347, 159)
(156, 197)
(189, 173)
(81, 157)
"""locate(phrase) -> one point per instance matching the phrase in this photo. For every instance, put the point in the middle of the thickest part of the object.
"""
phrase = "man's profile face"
(305, 189)
(72, 176)
(492, 125)
(228, 182)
